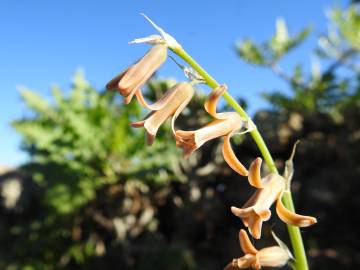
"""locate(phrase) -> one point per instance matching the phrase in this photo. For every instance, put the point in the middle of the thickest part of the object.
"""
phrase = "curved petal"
(255, 226)
(242, 212)
(292, 218)
(142, 100)
(171, 104)
(158, 105)
(231, 158)
(246, 246)
(128, 98)
(188, 94)
(265, 214)
(255, 174)
(212, 101)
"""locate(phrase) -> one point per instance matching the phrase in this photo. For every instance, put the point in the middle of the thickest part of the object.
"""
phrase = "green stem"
(294, 232)
(295, 236)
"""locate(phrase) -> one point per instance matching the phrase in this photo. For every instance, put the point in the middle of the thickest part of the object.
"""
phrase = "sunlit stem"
(294, 232)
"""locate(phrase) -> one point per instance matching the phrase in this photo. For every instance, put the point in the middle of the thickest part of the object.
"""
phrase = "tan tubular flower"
(275, 256)
(128, 82)
(171, 104)
(225, 124)
(257, 208)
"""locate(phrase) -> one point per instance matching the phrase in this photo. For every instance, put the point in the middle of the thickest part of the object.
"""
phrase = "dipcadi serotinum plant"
(270, 188)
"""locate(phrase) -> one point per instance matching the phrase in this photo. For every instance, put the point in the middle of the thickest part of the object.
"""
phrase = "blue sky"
(44, 42)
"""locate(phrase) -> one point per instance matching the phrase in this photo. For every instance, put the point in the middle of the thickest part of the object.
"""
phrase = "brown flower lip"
(224, 125)
(274, 256)
(257, 208)
(171, 104)
(129, 81)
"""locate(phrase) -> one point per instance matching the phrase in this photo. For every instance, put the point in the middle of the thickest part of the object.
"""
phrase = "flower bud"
(171, 104)
(129, 81)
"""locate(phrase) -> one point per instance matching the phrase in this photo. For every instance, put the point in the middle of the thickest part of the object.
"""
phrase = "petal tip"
(254, 176)
(149, 138)
(292, 218)
(137, 124)
(234, 210)
(258, 160)
(308, 221)
(109, 87)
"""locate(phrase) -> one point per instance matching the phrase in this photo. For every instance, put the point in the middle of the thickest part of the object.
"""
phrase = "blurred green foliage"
(80, 143)
(331, 90)
(273, 50)
(86, 140)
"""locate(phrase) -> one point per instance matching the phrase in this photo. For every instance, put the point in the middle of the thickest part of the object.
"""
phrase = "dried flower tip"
(189, 73)
(169, 40)
(289, 167)
(128, 82)
(171, 104)
(282, 245)
(152, 39)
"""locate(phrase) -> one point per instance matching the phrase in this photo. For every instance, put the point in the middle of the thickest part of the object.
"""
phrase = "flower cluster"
(174, 101)
(269, 188)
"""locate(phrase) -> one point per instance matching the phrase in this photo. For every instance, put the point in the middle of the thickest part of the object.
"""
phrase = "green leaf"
(251, 53)
(281, 43)
(35, 102)
(348, 23)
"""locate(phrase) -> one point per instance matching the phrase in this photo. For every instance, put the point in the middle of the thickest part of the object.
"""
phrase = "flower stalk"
(294, 232)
